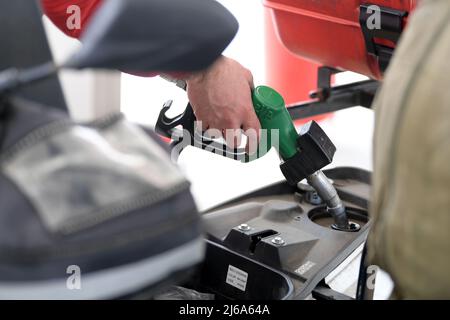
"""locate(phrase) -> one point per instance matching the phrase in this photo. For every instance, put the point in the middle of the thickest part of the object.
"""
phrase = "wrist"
(184, 79)
(195, 77)
(199, 76)
(178, 81)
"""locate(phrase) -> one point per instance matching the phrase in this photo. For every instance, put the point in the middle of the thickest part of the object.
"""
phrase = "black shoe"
(89, 212)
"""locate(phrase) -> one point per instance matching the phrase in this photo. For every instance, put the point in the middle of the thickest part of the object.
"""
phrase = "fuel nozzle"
(328, 194)
(304, 154)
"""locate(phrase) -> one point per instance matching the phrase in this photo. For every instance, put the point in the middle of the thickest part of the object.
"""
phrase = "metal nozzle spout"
(328, 193)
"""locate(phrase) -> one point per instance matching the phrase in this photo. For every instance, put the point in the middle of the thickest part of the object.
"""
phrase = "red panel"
(328, 31)
(291, 75)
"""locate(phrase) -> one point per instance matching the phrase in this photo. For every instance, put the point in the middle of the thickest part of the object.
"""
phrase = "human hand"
(221, 98)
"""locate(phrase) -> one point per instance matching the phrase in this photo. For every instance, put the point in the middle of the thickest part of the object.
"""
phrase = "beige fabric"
(411, 196)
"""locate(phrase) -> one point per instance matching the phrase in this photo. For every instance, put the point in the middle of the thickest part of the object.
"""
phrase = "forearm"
(60, 12)
(181, 79)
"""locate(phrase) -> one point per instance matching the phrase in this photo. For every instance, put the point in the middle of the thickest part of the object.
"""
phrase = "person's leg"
(411, 196)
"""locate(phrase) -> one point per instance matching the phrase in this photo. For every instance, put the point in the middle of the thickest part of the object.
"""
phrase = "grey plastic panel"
(311, 249)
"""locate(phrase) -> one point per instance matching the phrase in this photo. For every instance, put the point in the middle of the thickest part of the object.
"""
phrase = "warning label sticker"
(237, 278)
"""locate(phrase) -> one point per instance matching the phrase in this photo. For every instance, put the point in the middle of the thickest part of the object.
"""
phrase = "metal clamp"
(391, 29)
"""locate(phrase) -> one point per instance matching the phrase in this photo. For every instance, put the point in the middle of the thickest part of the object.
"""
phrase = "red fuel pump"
(353, 35)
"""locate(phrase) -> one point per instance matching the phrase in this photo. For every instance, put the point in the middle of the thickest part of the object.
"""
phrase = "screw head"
(244, 227)
(278, 241)
(312, 197)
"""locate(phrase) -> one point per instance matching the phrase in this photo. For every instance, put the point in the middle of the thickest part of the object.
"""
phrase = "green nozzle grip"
(272, 114)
